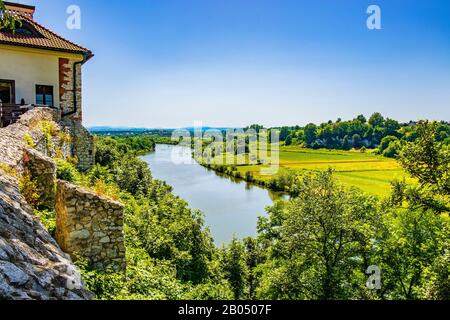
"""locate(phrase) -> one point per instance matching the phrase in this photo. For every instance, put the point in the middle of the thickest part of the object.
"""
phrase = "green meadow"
(367, 171)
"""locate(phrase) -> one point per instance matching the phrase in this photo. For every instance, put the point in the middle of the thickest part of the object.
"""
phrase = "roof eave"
(87, 53)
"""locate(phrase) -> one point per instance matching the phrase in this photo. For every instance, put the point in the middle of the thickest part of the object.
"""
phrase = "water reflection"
(230, 206)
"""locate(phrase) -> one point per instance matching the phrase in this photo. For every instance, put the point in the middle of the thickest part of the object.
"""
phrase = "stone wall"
(82, 140)
(82, 146)
(41, 170)
(32, 265)
(66, 88)
(90, 226)
(12, 138)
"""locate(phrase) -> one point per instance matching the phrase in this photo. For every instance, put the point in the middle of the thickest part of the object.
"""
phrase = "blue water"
(230, 208)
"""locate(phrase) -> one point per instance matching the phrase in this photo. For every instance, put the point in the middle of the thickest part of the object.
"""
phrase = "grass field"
(369, 172)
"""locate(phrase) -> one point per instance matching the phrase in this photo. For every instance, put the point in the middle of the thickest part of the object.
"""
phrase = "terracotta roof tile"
(44, 39)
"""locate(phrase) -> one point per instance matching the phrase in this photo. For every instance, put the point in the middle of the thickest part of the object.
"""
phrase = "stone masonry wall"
(82, 140)
(33, 264)
(41, 170)
(66, 88)
(91, 226)
(12, 138)
(82, 146)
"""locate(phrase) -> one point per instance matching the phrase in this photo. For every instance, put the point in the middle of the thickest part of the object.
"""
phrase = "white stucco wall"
(29, 69)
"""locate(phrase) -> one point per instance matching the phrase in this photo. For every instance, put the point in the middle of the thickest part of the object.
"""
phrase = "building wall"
(30, 67)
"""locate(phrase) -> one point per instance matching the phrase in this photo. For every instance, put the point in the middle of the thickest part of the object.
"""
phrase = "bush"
(48, 219)
(28, 189)
(384, 144)
(67, 171)
(393, 149)
(28, 140)
(133, 176)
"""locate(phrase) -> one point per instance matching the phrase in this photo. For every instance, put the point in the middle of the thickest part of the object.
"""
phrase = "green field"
(367, 171)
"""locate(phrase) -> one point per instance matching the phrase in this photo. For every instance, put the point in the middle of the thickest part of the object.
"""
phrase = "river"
(229, 207)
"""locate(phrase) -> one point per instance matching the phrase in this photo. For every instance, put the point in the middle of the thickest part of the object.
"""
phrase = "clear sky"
(167, 63)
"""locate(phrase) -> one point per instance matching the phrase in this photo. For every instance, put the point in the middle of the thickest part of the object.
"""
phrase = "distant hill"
(103, 130)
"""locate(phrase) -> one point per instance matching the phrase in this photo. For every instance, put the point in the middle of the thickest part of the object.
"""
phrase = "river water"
(229, 207)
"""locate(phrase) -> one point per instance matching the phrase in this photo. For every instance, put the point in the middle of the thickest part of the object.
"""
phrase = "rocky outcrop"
(32, 266)
(90, 226)
(13, 139)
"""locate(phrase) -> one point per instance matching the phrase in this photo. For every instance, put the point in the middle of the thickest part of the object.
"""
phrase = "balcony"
(10, 113)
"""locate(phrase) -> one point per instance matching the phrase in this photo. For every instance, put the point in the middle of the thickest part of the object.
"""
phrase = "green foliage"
(7, 20)
(109, 149)
(408, 246)
(385, 143)
(170, 255)
(28, 140)
(106, 151)
(67, 171)
(393, 149)
(316, 245)
(29, 189)
(132, 175)
(320, 242)
(235, 267)
(378, 132)
(428, 159)
(48, 220)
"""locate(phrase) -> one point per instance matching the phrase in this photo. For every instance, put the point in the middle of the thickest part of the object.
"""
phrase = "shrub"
(393, 149)
(28, 141)
(28, 189)
(102, 188)
(133, 175)
(67, 171)
(48, 219)
(8, 170)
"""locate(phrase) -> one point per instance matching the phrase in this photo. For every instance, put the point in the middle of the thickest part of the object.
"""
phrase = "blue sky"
(167, 63)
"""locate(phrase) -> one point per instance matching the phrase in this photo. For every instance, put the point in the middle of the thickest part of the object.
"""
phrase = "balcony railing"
(10, 113)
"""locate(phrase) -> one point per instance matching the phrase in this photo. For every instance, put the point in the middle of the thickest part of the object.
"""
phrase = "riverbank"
(230, 207)
(369, 172)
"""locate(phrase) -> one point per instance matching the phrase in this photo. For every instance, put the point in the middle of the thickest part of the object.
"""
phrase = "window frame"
(45, 94)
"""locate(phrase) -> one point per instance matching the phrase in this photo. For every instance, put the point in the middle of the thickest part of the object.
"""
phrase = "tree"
(284, 133)
(310, 134)
(376, 120)
(427, 159)
(409, 245)
(361, 119)
(235, 268)
(7, 20)
(321, 242)
(393, 149)
(356, 140)
(133, 176)
(385, 143)
(288, 141)
(346, 143)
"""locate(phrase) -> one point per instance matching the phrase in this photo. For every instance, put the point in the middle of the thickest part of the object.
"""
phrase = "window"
(7, 91)
(23, 28)
(44, 95)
